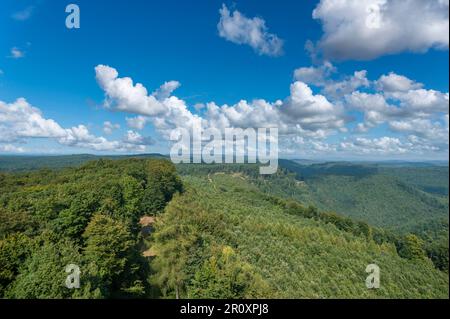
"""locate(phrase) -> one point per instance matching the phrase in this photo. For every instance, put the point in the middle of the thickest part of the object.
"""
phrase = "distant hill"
(393, 197)
(17, 163)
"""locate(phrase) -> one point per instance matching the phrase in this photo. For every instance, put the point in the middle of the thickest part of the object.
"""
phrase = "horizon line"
(322, 159)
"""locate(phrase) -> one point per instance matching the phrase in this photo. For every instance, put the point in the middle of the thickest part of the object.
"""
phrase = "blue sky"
(152, 42)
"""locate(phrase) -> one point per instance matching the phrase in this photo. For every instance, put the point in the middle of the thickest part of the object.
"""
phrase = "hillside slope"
(398, 198)
(284, 255)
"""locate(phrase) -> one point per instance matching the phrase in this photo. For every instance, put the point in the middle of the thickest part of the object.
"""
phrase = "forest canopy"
(144, 228)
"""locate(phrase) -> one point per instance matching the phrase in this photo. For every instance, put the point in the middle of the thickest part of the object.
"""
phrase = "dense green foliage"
(86, 216)
(432, 180)
(402, 199)
(362, 192)
(224, 232)
(396, 198)
(283, 249)
(399, 198)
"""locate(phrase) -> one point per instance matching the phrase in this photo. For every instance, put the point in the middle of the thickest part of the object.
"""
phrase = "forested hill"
(207, 235)
(382, 197)
(20, 163)
(284, 248)
(87, 216)
(397, 198)
(393, 197)
(400, 196)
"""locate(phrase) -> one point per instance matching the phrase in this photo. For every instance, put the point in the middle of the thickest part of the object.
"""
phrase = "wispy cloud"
(24, 14)
(109, 127)
(9, 148)
(17, 53)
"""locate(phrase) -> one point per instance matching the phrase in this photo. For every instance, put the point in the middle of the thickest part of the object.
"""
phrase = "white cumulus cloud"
(237, 28)
(367, 29)
(20, 121)
(417, 116)
(137, 122)
(396, 83)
